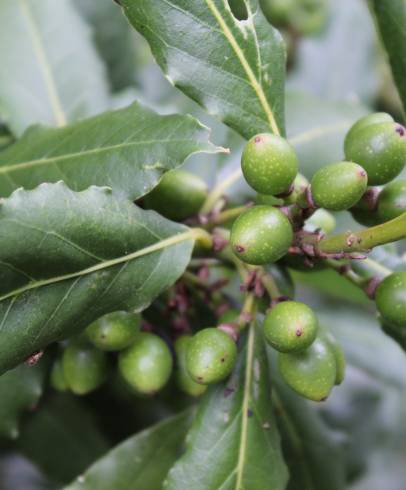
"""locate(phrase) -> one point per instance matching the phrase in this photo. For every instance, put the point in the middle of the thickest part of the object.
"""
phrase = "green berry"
(376, 118)
(364, 211)
(391, 299)
(392, 201)
(269, 164)
(183, 378)
(147, 364)
(300, 185)
(278, 12)
(114, 331)
(380, 149)
(309, 16)
(397, 333)
(211, 356)
(321, 220)
(84, 367)
(178, 196)
(290, 326)
(58, 381)
(312, 372)
(338, 354)
(339, 186)
(261, 235)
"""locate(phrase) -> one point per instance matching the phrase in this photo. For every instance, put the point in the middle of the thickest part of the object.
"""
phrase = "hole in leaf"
(238, 9)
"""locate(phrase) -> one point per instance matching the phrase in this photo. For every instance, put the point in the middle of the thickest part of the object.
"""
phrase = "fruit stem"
(227, 215)
(218, 191)
(247, 311)
(203, 237)
(271, 286)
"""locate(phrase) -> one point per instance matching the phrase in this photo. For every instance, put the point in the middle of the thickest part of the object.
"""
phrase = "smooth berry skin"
(300, 185)
(58, 381)
(312, 372)
(391, 201)
(380, 149)
(261, 235)
(391, 299)
(397, 333)
(147, 364)
(321, 220)
(375, 118)
(339, 186)
(178, 195)
(269, 164)
(211, 356)
(290, 326)
(338, 352)
(183, 379)
(84, 367)
(114, 331)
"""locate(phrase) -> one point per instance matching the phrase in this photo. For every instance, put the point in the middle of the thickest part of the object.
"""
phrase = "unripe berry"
(339, 186)
(321, 220)
(269, 164)
(278, 11)
(84, 367)
(58, 381)
(211, 356)
(300, 185)
(182, 376)
(312, 372)
(261, 235)
(397, 333)
(290, 326)
(375, 118)
(380, 149)
(178, 196)
(147, 364)
(391, 299)
(391, 201)
(114, 331)
(338, 352)
(364, 212)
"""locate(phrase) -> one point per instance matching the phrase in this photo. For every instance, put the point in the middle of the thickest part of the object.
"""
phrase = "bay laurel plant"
(172, 325)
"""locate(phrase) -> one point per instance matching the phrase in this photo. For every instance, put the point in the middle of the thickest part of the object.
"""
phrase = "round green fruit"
(211, 356)
(278, 12)
(397, 333)
(380, 149)
(364, 212)
(290, 326)
(178, 196)
(269, 164)
(312, 372)
(84, 367)
(114, 331)
(309, 16)
(339, 186)
(147, 364)
(391, 299)
(321, 220)
(392, 201)
(375, 118)
(338, 353)
(182, 376)
(300, 185)
(261, 235)
(58, 381)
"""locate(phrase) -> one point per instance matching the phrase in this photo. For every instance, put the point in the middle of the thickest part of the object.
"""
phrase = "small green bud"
(339, 186)
(269, 164)
(312, 372)
(178, 196)
(183, 378)
(114, 331)
(380, 149)
(147, 364)
(84, 367)
(211, 356)
(261, 235)
(290, 326)
(391, 299)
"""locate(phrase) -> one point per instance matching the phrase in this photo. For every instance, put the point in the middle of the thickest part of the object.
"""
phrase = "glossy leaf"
(62, 438)
(391, 21)
(313, 452)
(67, 258)
(234, 442)
(20, 390)
(234, 69)
(141, 462)
(50, 72)
(127, 149)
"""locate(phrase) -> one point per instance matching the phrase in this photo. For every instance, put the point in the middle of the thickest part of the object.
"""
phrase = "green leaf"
(234, 442)
(391, 21)
(20, 390)
(50, 72)
(141, 462)
(313, 452)
(234, 69)
(67, 258)
(62, 438)
(127, 149)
